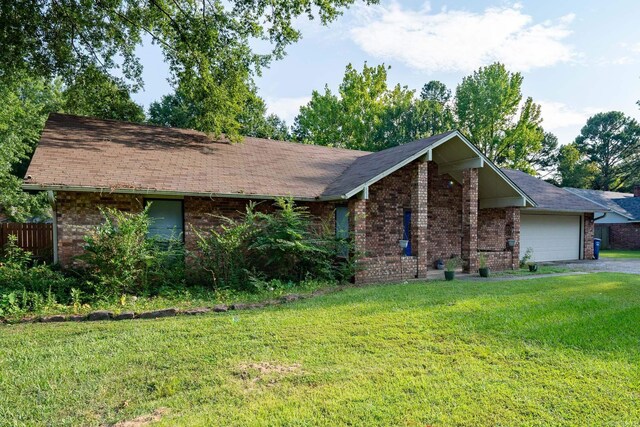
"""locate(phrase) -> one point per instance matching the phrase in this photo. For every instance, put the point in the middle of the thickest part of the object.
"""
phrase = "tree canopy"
(487, 105)
(367, 114)
(611, 142)
(212, 47)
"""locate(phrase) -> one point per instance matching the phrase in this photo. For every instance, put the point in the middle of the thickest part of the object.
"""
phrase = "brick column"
(419, 213)
(513, 232)
(358, 231)
(470, 219)
(588, 236)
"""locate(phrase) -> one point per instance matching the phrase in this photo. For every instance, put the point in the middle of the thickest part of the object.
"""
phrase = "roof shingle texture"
(548, 196)
(609, 199)
(84, 152)
(631, 205)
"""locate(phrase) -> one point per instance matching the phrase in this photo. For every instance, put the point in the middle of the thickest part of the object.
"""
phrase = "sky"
(577, 57)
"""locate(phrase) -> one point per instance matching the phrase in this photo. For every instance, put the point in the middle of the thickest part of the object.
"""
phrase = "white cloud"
(286, 108)
(557, 115)
(459, 40)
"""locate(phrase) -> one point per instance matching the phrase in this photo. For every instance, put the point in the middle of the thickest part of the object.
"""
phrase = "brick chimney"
(636, 190)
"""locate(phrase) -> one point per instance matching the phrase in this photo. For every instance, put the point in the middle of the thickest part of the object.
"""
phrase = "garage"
(552, 237)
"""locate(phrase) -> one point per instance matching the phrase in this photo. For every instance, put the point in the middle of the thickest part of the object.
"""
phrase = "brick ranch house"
(439, 193)
(620, 227)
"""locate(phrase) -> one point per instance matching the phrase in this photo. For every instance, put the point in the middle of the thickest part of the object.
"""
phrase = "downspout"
(600, 217)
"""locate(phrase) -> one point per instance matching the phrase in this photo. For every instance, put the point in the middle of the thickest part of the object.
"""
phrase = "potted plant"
(527, 260)
(450, 268)
(482, 261)
(440, 264)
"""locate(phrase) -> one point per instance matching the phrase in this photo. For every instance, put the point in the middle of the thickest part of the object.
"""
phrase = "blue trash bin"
(596, 248)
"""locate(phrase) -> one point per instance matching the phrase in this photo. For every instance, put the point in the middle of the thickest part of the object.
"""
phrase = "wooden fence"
(35, 238)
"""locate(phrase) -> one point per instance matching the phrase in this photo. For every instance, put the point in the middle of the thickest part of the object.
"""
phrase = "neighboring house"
(619, 228)
(439, 193)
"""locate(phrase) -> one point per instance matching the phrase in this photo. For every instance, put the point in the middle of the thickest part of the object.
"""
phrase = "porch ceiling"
(494, 188)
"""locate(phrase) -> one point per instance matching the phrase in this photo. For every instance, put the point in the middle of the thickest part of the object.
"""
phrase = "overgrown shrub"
(19, 271)
(120, 258)
(282, 245)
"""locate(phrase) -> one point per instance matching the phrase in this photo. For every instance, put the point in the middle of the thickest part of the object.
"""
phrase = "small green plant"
(527, 257)
(452, 263)
(76, 299)
(482, 260)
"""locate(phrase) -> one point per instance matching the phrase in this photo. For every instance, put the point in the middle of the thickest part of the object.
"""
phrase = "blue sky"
(577, 57)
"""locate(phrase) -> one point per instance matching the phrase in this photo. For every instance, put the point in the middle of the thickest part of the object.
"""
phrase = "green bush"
(120, 258)
(282, 245)
(19, 271)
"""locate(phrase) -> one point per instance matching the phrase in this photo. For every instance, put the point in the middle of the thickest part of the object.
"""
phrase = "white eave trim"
(630, 218)
(152, 192)
(427, 152)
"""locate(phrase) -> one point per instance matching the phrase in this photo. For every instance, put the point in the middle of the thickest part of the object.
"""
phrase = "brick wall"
(495, 228)
(624, 236)
(445, 216)
(77, 213)
(588, 235)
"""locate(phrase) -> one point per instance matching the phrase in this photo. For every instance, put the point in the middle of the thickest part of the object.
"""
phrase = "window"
(406, 234)
(167, 220)
(342, 227)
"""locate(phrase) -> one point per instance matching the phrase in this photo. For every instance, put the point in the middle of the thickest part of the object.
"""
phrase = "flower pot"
(449, 275)
(533, 267)
(484, 272)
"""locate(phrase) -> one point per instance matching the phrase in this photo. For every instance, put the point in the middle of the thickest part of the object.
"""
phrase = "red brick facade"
(623, 236)
(445, 221)
(588, 225)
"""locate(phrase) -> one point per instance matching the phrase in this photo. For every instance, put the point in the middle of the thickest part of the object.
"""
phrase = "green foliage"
(487, 109)
(281, 245)
(611, 142)
(25, 284)
(94, 93)
(26, 103)
(452, 263)
(370, 115)
(527, 258)
(209, 46)
(573, 169)
(120, 258)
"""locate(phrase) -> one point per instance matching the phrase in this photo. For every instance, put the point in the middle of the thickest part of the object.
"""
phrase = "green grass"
(551, 351)
(542, 269)
(610, 253)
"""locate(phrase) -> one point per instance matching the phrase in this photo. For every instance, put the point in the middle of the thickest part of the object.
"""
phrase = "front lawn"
(611, 253)
(551, 351)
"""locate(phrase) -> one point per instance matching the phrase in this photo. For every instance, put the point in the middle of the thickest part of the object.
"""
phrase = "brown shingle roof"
(84, 152)
(548, 196)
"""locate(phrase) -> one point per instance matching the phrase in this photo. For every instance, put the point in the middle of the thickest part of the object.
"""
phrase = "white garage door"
(552, 237)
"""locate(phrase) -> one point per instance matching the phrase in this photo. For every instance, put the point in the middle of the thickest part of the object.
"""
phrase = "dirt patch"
(144, 420)
(265, 373)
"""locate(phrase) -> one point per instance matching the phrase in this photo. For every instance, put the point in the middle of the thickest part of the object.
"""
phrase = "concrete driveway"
(610, 265)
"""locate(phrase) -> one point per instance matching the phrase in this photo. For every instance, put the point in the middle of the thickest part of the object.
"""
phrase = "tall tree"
(26, 103)
(573, 169)
(545, 160)
(96, 94)
(486, 106)
(433, 109)
(366, 114)
(611, 141)
(176, 110)
(208, 45)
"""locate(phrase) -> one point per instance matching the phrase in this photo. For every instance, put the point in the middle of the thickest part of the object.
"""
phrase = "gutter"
(148, 191)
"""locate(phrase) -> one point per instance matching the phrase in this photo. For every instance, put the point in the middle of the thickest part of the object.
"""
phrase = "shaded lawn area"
(552, 351)
(612, 253)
